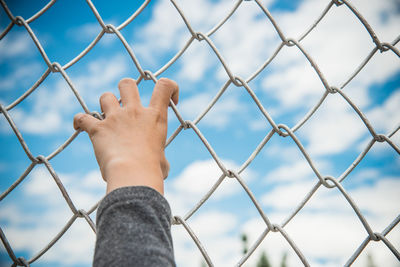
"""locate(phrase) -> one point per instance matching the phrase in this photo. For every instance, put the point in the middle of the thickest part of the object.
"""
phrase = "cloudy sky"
(327, 230)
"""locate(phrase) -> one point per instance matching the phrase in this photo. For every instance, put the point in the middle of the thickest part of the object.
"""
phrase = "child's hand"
(129, 143)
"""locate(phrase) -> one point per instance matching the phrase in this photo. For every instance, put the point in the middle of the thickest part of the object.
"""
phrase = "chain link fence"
(282, 130)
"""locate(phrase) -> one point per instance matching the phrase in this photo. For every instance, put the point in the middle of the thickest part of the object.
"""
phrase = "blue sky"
(326, 230)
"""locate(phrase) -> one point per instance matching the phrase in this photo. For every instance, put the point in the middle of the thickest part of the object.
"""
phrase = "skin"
(129, 143)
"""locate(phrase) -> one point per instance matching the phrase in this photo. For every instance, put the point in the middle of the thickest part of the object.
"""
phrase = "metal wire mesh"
(334, 183)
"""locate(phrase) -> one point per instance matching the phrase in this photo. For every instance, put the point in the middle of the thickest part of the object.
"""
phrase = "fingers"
(129, 92)
(84, 122)
(108, 102)
(164, 90)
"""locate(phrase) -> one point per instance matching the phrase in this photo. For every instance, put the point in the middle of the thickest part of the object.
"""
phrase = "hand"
(129, 143)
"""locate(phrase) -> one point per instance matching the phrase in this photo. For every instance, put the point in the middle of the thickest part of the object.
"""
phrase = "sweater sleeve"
(134, 229)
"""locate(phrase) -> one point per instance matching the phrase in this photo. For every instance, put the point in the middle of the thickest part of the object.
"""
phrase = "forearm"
(133, 229)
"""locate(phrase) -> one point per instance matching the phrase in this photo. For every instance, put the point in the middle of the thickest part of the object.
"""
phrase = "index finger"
(164, 90)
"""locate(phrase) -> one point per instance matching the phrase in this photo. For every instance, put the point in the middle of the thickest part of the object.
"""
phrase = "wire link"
(279, 129)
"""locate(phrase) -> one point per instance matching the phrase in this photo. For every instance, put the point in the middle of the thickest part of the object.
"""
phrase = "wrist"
(143, 172)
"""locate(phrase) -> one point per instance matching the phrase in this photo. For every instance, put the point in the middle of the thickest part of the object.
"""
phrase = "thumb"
(84, 122)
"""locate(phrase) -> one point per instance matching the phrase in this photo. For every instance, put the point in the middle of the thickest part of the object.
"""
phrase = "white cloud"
(380, 200)
(202, 15)
(385, 27)
(219, 116)
(46, 116)
(48, 111)
(336, 58)
(196, 179)
(224, 112)
(298, 170)
(213, 229)
(103, 75)
(377, 200)
(334, 128)
(327, 218)
(191, 106)
(246, 40)
(238, 39)
(162, 33)
(287, 196)
(40, 183)
(39, 123)
(295, 85)
(284, 153)
(54, 105)
(195, 61)
(327, 231)
(16, 45)
(222, 223)
(75, 247)
(93, 181)
(77, 244)
(364, 176)
(385, 117)
(259, 124)
(85, 32)
(325, 239)
(4, 126)
(86, 190)
(184, 248)
(22, 73)
(293, 82)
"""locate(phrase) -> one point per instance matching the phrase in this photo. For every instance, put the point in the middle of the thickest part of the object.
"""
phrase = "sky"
(326, 230)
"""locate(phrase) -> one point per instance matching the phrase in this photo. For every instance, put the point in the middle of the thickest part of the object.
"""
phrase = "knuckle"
(134, 111)
(78, 119)
(81, 119)
(112, 116)
(157, 115)
(94, 130)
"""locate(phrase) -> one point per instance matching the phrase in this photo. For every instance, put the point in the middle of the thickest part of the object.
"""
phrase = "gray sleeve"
(134, 229)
